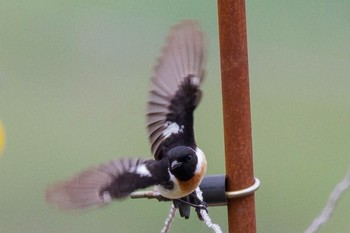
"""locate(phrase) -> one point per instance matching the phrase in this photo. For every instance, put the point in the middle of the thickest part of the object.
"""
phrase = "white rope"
(328, 210)
(215, 227)
(169, 219)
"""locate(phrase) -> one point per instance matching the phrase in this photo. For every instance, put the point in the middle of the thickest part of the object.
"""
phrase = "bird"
(179, 165)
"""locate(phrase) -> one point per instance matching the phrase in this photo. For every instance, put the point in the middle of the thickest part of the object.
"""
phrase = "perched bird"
(179, 165)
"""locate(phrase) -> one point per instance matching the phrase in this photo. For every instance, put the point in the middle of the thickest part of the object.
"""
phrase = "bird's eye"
(188, 158)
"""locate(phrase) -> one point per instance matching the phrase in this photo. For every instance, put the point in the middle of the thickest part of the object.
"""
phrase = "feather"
(181, 65)
(98, 185)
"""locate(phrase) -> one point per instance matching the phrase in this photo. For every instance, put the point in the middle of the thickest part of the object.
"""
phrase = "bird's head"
(182, 162)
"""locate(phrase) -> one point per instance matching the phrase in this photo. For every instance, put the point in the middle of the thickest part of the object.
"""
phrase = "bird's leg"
(198, 205)
(184, 203)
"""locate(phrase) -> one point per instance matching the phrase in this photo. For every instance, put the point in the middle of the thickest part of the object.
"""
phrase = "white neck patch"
(202, 161)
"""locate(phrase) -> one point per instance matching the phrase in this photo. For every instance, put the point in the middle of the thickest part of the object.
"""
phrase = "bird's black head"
(182, 162)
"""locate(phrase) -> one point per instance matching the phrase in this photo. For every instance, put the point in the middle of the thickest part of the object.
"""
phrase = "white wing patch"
(143, 171)
(195, 81)
(106, 197)
(172, 128)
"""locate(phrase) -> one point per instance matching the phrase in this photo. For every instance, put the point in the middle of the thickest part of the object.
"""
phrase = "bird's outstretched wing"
(174, 92)
(99, 185)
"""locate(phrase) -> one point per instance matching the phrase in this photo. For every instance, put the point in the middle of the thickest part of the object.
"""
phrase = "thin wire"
(333, 199)
(215, 227)
(169, 219)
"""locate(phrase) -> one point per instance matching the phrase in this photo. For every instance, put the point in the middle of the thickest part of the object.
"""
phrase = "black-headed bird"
(179, 165)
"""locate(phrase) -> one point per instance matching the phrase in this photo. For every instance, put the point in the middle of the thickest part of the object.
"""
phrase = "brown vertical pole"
(236, 111)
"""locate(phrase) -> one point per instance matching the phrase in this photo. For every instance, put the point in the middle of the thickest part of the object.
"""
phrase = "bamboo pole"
(236, 111)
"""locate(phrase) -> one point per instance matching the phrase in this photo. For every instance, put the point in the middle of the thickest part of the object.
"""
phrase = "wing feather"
(174, 91)
(99, 185)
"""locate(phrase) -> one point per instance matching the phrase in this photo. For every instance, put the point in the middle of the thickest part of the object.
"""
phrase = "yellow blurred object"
(2, 138)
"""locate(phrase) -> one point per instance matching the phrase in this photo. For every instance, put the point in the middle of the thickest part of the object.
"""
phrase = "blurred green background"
(73, 85)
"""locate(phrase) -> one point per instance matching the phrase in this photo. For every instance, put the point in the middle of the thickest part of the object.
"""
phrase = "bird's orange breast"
(190, 185)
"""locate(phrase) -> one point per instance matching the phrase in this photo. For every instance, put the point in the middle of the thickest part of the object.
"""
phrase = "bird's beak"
(175, 164)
